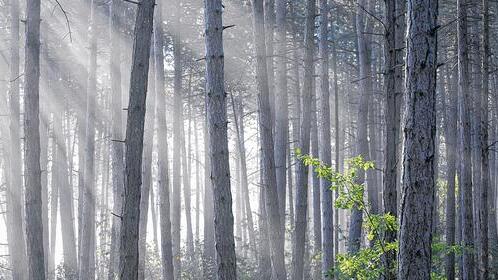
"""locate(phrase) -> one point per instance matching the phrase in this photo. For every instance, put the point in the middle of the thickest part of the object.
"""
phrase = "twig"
(67, 20)
(116, 215)
(133, 2)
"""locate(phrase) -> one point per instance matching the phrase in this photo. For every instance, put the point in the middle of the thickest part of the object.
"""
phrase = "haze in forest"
(248, 139)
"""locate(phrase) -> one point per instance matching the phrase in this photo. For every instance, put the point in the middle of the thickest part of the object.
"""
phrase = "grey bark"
(451, 150)
(209, 252)
(117, 135)
(269, 182)
(315, 205)
(177, 144)
(362, 145)
(304, 143)
(465, 144)
(129, 253)
(15, 232)
(325, 140)
(485, 176)
(32, 171)
(162, 138)
(390, 195)
(218, 141)
(87, 233)
(281, 109)
(147, 167)
(417, 203)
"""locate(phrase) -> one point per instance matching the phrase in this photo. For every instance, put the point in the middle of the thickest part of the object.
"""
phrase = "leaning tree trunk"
(15, 233)
(267, 149)
(32, 171)
(218, 142)
(300, 224)
(417, 205)
(162, 137)
(128, 262)
(465, 144)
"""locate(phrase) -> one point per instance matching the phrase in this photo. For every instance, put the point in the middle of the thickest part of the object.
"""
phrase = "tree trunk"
(269, 182)
(32, 171)
(129, 253)
(451, 152)
(415, 237)
(281, 111)
(209, 253)
(304, 143)
(54, 203)
(325, 141)
(87, 255)
(485, 178)
(162, 139)
(15, 232)
(147, 167)
(218, 142)
(117, 136)
(465, 138)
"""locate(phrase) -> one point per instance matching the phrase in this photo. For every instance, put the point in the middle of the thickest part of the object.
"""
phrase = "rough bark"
(415, 237)
(32, 171)
(129, 253)
(218, 141)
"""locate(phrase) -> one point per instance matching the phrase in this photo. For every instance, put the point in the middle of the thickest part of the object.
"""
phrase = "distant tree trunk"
(390, 195)
(87, 256)
(54, 203)
(316, 201)
(485, 177)
(281, 110)
(451, 153)
(15, 232)
(32, 171)
(465, 138)
(325, 141)
(147, 167)
(117, 135)
(162, 140)
(362, 145)
(415, 237)
(239, 120)
(209, 253)
(177, 144)
(218, 141)
(269, 182)
(264, 259)
(304, 143)
(269, 27)
(129, 252)
(186, 180)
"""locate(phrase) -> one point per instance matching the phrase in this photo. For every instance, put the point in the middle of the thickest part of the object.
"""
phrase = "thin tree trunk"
(325, 141)
(269, 182)
(415, 237)
(129, 253)
(162, 139)
(15, 232)
(304, 143)
(54, 203)
(465, 139)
